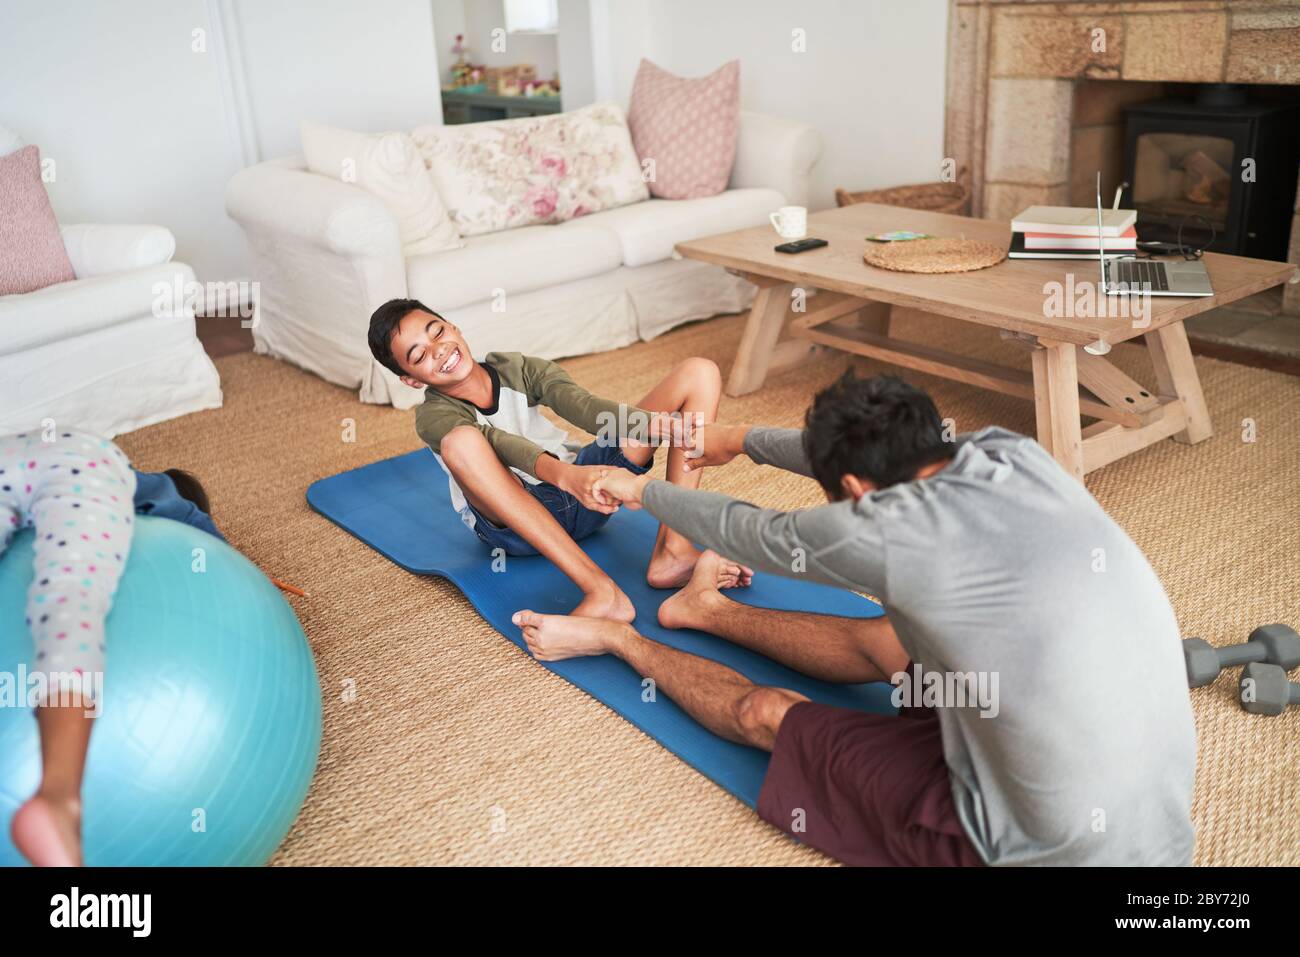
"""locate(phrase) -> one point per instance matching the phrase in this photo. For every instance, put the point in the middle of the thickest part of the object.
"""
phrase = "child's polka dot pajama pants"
(77, 491)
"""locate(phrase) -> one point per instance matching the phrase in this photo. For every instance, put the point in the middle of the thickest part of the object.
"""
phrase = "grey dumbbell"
(1265, 690)
(1274, 644)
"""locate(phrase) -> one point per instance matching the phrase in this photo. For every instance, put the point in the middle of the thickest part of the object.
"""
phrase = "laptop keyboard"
(1139, 274)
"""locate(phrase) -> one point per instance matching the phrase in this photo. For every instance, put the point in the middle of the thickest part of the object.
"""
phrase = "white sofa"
(327, 253)
(111, 351)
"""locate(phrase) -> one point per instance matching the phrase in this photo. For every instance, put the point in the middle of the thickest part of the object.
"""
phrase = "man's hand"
(582, 482)
(623, 487)
(713, 444)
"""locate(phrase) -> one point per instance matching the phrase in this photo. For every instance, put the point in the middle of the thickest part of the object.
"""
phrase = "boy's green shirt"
(514, 426)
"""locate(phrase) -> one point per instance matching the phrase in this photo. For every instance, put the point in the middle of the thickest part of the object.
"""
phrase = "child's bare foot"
(48, 832)
(556, 637)
(605, 601)
(712, 572)
(672, 567)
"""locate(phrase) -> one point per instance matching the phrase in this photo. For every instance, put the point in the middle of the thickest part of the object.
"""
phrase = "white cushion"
(96, 249)
(515, 261)
(69, 309)
(388, 166)
(648, 231)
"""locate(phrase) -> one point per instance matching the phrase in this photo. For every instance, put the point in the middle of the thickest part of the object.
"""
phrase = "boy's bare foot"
(606, 601)
(712, 572)
(556, 637)
(673, 568)
(48, 832)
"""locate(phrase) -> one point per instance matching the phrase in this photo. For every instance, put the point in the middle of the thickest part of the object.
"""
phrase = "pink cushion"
(32, 255)
(687, 127)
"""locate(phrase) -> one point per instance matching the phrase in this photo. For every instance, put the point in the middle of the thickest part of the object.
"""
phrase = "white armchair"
(111, 351)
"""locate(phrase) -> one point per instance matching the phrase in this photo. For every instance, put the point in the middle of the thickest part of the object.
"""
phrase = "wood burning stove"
(1185, 164)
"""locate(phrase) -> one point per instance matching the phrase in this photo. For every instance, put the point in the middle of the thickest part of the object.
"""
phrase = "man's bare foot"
(556, 637)
(673, 567)
(712, 572)
(48, 832)
(606, 601)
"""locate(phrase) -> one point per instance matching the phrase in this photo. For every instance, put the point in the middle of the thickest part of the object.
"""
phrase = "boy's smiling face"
(431, 351)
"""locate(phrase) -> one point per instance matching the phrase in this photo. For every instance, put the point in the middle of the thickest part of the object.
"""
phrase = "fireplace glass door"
(1179, 176)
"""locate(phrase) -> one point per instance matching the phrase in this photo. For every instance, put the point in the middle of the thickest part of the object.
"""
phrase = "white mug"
(790, 222)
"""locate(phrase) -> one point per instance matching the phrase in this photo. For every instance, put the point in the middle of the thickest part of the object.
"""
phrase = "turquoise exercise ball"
(210, 723)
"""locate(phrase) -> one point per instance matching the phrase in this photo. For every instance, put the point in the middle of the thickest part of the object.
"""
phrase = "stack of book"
(1070, 232)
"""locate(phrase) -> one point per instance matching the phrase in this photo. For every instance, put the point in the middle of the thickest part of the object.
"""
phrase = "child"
(77, 491)
(512, 478)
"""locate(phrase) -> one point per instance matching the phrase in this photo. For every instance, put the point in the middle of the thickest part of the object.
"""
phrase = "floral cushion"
(538, 169)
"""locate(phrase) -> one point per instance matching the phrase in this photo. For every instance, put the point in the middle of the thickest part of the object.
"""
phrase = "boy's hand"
(713, 444)
(624, 487)
(580, 481)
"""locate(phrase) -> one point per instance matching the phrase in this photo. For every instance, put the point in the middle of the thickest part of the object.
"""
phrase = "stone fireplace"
(1037, 90)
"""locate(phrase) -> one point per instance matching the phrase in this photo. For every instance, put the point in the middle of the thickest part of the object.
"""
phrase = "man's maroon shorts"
(867, 789)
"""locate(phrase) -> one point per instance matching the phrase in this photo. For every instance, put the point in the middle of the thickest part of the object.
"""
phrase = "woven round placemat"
(935, 255)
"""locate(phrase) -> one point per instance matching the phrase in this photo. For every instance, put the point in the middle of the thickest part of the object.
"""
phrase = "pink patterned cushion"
(32, 255)
(539, 169)
(687, 127)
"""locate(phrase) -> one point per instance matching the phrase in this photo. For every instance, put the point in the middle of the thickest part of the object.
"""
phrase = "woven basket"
(934, 197)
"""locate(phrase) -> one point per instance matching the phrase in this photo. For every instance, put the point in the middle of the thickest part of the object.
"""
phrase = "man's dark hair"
(880, 429)
(383, 324)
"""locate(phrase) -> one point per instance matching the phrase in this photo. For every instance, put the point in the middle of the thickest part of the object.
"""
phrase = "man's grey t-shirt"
(1002, 565)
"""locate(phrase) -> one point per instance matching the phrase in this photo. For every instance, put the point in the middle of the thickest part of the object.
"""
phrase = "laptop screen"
(1101, 243)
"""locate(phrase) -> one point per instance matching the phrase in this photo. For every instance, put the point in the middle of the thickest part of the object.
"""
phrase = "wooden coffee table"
(853, 301)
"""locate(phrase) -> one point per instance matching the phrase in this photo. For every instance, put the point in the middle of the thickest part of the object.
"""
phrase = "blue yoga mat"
(401, 507)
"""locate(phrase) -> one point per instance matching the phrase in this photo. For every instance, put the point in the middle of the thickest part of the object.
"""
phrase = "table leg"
(1056, 402)
(1176, 376)
(762, 330)
(875, 317)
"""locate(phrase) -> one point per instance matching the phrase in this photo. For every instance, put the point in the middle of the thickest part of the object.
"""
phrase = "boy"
(984, 553)
(513, 480)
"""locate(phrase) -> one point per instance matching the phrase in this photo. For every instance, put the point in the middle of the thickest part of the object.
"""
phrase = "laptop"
(1159, 277)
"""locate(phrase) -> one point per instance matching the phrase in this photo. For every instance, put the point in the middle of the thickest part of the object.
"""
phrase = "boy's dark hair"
(383, 324)
(880, 429)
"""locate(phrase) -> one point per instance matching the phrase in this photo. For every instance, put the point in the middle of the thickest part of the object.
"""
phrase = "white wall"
(143, 128)
(871, 79)
(368, 65)
(448, 20)
(131, 116)
(484, 16)
(575, 54)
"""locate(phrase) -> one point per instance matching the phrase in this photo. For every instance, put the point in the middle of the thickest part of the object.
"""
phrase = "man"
(992, 563)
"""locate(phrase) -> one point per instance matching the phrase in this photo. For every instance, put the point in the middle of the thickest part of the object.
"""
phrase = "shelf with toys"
(481, 92)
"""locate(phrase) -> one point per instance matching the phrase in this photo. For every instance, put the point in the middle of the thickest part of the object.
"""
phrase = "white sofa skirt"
(604, 312)
(110, 380)
(613, 309)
